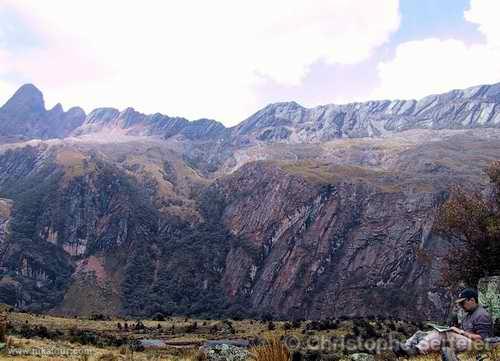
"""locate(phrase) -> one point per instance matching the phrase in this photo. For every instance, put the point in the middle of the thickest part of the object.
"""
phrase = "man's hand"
(457, 330)
(470, 335)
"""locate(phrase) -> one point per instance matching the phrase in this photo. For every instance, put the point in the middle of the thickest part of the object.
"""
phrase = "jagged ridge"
(25, 115)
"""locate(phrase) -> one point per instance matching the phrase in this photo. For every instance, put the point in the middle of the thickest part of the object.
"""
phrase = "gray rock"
(225, 352)
(152, 343)
(475, 107)
(132, 122)
(361, 357)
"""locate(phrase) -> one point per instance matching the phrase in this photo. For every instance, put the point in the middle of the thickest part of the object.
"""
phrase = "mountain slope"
(298, 212)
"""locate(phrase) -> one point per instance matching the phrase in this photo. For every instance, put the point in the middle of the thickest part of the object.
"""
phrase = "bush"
(83, 337)
(158, 317)
(474, 226)
(139, 326)
(99, 317)
(37, 331)
(192, 327)
(322, 325)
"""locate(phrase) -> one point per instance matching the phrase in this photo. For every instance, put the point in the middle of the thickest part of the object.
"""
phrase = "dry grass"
(92, 353)
(73, 162)
(272, 350)
(245, 329)
(326, 173)
(3, 327)
(492, 355)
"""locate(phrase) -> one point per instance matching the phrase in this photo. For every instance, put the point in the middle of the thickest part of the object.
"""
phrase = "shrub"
(158, 317)
(192, 327)
(356, 331)
(99, 317)
(83, 337)
(474, 224)
(139, 326)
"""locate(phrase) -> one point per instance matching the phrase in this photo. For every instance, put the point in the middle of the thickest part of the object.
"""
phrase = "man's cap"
(466, 294)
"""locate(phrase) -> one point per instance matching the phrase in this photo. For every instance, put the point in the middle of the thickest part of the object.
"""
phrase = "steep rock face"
(330, 250)
(25, 116)
(289, 122)
(5, 213)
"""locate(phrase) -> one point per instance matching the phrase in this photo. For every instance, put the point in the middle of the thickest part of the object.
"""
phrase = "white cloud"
(432, 66)
(5, 87)
(194, 58)
(485, 14)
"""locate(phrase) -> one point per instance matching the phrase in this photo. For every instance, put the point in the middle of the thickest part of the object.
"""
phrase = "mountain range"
(298, 212)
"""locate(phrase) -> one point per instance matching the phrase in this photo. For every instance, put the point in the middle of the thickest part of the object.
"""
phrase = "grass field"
(34, 337)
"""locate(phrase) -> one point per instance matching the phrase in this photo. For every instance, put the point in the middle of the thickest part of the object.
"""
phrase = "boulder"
(225, 352)
(361, 357)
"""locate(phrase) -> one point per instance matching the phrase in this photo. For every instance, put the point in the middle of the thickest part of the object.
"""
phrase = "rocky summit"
(295, 212)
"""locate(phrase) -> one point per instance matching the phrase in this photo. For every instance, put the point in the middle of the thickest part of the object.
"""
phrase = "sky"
(225, 59)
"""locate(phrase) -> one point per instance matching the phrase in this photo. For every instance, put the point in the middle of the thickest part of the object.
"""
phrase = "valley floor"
(34, 337)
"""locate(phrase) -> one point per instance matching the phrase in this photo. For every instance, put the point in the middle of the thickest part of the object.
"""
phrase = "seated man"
(476, 326)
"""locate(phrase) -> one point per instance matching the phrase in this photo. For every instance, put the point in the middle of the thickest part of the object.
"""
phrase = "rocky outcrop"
(475, 107)
(131, 122)
(24, 117)
(224, 352)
